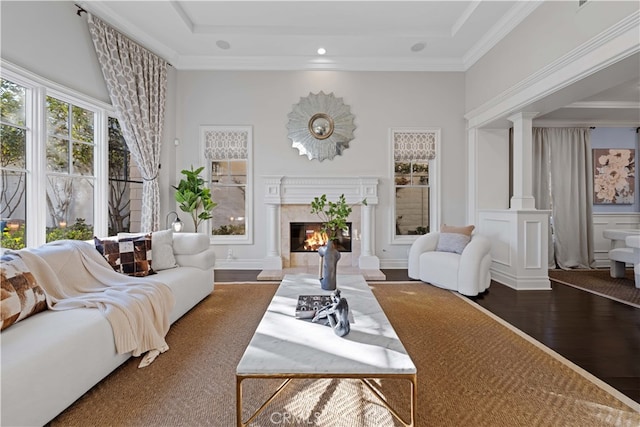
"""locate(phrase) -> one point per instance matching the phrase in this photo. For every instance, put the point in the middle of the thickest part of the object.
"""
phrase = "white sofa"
(52, 358)
(467, 273)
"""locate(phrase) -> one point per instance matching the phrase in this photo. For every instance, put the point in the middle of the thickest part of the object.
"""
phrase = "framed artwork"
(614, 172)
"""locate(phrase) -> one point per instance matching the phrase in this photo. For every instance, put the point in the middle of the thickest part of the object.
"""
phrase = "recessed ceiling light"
(418, 47)
(322, 51)
(223, 44)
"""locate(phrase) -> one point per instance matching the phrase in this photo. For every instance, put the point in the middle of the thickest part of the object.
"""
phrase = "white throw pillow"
(162, 249)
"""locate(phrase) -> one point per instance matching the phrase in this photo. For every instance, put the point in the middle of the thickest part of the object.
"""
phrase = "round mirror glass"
(321, 126)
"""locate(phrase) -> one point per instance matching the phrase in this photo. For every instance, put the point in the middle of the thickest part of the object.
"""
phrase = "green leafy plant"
(80, 230)
(193, 197)
(13, 239)
(332, 214)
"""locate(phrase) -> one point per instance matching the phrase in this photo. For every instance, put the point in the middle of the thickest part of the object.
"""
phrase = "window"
(13, 164)
(227, 150)
(415, 178)
(70, 174)
(125, 184)
(51, 161)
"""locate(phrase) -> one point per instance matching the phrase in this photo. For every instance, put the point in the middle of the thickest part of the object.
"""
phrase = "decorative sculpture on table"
(336, 314)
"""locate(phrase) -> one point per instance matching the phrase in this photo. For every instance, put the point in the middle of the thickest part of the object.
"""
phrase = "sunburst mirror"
(320, 126)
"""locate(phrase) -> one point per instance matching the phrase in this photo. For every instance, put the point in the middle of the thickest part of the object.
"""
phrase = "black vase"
(330, 257)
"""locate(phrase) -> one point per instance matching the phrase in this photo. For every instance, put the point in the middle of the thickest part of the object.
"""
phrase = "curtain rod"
(80, 10)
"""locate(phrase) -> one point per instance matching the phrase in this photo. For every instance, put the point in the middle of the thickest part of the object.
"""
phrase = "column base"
(369, 262)
(272, 263)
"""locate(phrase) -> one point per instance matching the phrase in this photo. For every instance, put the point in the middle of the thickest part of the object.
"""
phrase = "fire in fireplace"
(307, 237)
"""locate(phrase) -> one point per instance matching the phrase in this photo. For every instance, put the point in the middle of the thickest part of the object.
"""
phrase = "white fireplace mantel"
(301, 190)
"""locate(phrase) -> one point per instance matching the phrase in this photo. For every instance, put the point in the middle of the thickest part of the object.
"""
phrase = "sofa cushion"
(162, 243)
(190, 243)
(21, 296)
(128, 255)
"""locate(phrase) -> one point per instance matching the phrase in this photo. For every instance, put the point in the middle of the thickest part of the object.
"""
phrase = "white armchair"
(467, 273)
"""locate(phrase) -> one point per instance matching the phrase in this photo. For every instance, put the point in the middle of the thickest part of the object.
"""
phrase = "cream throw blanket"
(137, 307)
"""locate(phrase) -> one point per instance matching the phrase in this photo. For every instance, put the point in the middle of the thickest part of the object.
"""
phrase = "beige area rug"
(599, 282)
(472, 371)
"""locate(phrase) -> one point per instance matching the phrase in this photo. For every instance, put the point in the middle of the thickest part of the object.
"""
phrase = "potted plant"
(193, 197)
(334, 220)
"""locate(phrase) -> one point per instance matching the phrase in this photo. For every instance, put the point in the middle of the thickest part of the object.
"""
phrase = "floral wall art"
(613, 176)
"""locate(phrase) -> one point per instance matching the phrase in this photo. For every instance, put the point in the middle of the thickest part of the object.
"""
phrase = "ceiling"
(357, 35)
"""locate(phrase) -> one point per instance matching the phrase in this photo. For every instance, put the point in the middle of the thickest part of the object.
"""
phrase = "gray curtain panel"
(137, 81)
(563, 182)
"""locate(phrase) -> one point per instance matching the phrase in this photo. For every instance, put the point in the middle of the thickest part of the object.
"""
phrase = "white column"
(522, 161)
(367, 260)
(519, 236)
(366, 230)
(273, 260)
(472, 176)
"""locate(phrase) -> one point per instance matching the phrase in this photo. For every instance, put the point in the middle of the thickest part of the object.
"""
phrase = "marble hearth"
(288, 199)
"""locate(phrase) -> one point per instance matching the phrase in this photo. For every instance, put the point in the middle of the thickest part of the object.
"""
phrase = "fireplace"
(308, 237)
(287, 200)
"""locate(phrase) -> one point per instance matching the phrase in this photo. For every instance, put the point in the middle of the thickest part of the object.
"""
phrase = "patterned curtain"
(225, 144)
(136, 80)
(420, 145)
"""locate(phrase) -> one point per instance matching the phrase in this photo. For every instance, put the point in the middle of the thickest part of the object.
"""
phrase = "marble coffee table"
(287, 348)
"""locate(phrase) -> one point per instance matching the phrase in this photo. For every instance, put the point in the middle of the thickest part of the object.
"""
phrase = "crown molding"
(283, 63)
(583, 124)
(605, 104)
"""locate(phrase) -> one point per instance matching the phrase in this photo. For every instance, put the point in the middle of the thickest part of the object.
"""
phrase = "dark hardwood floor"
(600, 335)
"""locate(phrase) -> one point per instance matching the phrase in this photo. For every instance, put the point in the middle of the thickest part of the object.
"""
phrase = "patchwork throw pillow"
(21, 296)
(163, 257)
(129, 255)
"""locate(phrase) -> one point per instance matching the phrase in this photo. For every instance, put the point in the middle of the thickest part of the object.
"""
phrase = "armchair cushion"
(452, 242)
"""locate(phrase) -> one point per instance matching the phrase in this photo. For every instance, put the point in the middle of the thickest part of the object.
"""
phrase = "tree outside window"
(125, 184)
(70, 173)
(13, 172)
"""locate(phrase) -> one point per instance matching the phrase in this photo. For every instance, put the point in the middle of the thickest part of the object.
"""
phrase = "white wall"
(378, 100)
(551, 31)
(49, 39)
(493, 169)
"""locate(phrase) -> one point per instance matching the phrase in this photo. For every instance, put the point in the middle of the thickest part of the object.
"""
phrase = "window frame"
(37, 90)
(434, 185)
(247, 238)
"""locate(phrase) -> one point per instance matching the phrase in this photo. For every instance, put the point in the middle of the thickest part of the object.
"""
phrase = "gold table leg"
(366, 381)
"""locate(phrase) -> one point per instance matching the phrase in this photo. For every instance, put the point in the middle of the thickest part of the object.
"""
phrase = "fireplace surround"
(288, 199)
